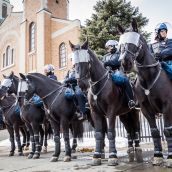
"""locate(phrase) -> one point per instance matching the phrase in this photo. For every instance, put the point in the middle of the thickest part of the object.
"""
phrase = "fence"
(145, 134)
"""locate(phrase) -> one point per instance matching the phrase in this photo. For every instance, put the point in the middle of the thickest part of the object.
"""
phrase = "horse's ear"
(85, 44)
(134, 25)
(72, 46)
(11, 74)
(120, 29)
(4, 76)
(22, 76)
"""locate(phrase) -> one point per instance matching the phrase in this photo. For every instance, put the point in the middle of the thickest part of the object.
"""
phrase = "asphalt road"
(82, 162)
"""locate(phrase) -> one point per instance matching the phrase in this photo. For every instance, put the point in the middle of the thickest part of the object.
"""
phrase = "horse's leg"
(41, 131)
(27, 137)
(113, 160)
(17, 134)
(56, 127)
(36, 129)
(168, 135)
(74, 143)
(45, 126)
(99, 136)
(150, 116)
(104, 123)
(136, 126)
(32, 140)
(65, 127)
(11, 133)
(24, 137)
(128, 126)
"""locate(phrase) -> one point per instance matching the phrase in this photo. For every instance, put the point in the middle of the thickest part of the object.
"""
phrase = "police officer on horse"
(80, 97)
(162, 48)
(111, 59)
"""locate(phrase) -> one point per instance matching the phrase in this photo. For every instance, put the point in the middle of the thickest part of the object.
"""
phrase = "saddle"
(167, 66)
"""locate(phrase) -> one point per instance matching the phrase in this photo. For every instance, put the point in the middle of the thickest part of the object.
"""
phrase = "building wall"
(70, 32)
(10, 36)
(52, 28)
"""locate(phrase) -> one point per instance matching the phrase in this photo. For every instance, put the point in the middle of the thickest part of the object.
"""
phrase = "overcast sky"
(155, 10)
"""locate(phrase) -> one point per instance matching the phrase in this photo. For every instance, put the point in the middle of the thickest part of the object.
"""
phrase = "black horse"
(33, 116)
(13, 122)
(61, 111)
(153, 87)
(107, 101)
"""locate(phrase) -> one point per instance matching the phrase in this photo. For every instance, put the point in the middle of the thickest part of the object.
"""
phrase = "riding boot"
(129, 92)
(81, 100)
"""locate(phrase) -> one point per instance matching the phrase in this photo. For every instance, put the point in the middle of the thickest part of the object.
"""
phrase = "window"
(8, 57)
(62, 55)
(4, 10)
(32, 37)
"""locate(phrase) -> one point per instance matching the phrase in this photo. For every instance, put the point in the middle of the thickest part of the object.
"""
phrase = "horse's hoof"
(54, 159)
(30, 156)
(67, 159)
(11, 154)
(168, 163)
(36, 156)
(26, 148)
(157, 161)
(130, 152)
(20, 154)
(138, 154)
(112, 161)
(45, 150)
(103, 156)
(96, 161)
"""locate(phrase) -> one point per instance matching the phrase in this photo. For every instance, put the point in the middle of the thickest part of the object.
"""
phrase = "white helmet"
(111, 43)
(49, 68)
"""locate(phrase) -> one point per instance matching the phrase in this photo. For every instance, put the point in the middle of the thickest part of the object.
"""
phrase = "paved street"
(82, 162)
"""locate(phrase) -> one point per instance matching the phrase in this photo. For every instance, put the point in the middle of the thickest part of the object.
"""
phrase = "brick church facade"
(37, 36)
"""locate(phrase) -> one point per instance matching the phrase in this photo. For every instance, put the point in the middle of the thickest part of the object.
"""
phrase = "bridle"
(91, 83)
(138, 65)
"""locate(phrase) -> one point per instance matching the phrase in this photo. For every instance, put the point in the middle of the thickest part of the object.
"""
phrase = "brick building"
(37, 36)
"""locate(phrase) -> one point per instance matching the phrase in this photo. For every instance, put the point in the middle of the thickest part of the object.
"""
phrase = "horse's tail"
(77, 129)
(49, 131)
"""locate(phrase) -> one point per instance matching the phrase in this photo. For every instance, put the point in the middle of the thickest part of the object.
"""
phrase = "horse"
(153, 87)
(106, 100)
(34, 117)
(13, 122)
(61, 111)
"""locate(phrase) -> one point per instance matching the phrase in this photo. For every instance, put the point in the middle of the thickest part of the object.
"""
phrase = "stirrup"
(131, 104)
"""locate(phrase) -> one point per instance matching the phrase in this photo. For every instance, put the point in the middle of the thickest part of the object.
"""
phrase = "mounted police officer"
(71, 80)
(111, 59)
(162, 48)
(49, 71)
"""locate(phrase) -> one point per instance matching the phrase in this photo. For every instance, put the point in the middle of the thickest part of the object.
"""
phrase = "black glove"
(158, 57)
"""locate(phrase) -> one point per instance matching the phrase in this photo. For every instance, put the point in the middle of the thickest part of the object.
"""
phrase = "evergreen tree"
(103, 24)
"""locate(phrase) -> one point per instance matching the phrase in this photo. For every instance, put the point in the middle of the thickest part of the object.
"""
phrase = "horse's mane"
(93, 55)
(39, 75)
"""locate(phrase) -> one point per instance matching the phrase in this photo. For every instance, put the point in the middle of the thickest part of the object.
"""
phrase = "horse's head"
(131, 46)
(10, 83)
(81, 62)
(25, 87)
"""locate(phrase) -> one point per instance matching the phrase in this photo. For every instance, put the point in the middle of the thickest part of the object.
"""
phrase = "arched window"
(32, 37)
(8, 57)
(62, 55)
(4, 10)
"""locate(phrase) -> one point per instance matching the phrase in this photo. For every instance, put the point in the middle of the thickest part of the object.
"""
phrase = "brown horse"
(153, 87)
(107, 101)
